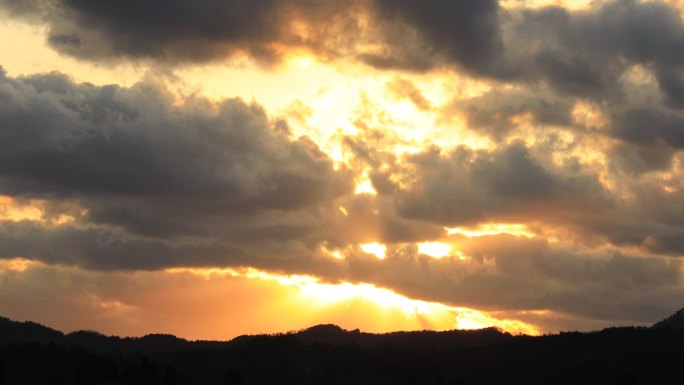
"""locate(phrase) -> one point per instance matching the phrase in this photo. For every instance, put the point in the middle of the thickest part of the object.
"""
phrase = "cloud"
(105, 249)
(579, 53)
(181, 31)
(133, 160)
(647, 126)
(465, 187)
(497, 113)
(584, 53)
(416, 32)
(405, 89)
(642, 158)
(63, 139)
(499, 272)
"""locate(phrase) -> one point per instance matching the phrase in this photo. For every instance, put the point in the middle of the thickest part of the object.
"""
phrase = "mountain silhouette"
(327, 354)
(675, 321)
(27, 332)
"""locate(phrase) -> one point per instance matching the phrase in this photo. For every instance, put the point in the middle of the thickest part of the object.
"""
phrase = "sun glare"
(434, 249)
(575, 5)
(376, 249)
(301, 60)
(365, 186)
(517, 230)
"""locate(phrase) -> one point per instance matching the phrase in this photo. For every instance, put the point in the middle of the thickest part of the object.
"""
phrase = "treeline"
(329, 355)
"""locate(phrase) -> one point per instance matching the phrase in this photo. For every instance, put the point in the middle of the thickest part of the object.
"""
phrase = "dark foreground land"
(33, 354)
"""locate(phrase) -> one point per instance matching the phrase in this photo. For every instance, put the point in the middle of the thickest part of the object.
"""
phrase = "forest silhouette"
(327, 354)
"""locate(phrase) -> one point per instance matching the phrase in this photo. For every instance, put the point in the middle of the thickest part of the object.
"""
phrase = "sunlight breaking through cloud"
(320, 294)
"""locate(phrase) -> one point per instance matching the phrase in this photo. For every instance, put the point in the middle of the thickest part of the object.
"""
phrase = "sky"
(216, 168)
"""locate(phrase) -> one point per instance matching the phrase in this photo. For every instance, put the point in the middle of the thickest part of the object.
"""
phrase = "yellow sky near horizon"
(221, 304)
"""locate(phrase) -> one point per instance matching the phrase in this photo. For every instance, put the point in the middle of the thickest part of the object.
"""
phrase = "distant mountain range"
(327, 354)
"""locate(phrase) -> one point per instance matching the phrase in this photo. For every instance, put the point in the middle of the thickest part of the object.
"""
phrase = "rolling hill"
(327, 354)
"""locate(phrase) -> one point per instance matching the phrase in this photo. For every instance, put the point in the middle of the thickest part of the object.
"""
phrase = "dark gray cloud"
(130, 159)
(584, 53)
(465, 187)
(182, 31)
(637, 159)
(105, 249)
(671, 82)
(651, 218)
(577, 53)
(581, 53)
(650, 136)
(466, 32)
(494, 113)
(648, 126)
(62, 139)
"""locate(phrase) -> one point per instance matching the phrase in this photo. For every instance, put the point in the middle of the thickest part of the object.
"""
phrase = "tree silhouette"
(614, 356)
(232, 377)
(145, 373)
(94, 370)
(169, 377)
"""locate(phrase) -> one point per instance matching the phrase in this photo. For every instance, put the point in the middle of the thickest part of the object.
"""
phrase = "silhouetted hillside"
(675, 321)
(333, 334)
(327, 354)
(26, 332)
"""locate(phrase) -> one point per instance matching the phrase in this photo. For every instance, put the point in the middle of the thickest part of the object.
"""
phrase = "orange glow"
(361, 299)
(12, 210)
(217, 303)
(32, 210)
(17, 264)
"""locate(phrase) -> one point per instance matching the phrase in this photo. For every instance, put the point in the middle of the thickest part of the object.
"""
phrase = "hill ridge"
(675, 321)
(327, 354)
